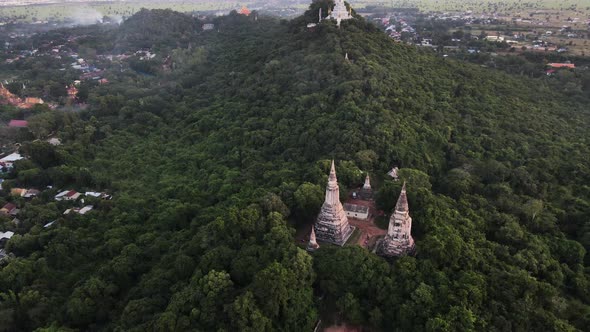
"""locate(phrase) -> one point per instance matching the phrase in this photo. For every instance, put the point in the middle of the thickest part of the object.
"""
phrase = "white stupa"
(340, 13)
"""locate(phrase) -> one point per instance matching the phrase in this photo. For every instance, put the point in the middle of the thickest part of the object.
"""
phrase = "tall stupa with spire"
(340, 13)
(332, 224)
(399, 241)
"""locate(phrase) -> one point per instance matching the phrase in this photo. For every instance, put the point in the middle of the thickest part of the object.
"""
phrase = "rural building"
(67, 195)
(18, 124)
(356, 211)
(561, 65)
(9, 209)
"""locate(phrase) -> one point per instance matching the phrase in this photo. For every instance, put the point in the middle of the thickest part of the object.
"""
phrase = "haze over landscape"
(294, 165)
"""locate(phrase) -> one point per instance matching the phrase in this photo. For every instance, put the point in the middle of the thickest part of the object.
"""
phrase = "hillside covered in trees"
(215, 160)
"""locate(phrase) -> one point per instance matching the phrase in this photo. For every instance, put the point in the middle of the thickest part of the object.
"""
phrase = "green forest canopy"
(207, 162)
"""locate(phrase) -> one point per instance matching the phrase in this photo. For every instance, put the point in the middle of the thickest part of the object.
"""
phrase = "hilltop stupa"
(399, 241)
(332, 224)
(340, 13)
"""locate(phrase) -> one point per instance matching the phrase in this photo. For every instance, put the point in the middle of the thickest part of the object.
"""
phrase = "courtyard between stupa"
(367, 232)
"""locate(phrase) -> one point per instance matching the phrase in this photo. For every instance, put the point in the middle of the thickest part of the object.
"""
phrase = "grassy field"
(61, 12)
(89, 11)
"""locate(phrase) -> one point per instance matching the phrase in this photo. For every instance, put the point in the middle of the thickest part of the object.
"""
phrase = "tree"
(246, 316)
(308, 199)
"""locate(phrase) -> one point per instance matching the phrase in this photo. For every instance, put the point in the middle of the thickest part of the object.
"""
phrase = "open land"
(32, 11)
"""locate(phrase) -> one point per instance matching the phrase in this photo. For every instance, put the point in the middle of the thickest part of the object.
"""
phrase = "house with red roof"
(9, 209)
(561, 65)
(18, 124)
(67, 195)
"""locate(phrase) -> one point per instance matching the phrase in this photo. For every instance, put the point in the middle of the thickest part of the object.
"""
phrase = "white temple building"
(340, 13)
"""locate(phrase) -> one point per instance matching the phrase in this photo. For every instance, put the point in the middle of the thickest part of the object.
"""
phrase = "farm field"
(62, 11)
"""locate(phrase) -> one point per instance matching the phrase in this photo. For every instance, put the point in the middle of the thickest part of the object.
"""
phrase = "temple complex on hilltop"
(340, 13)
(332, 224)
(399, 241)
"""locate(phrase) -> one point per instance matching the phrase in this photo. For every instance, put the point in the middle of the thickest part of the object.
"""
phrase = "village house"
(8, 162)
(19, 192)
(81, 211)
(4, 237)
(30, 193)
(67, 195)
(98, 195)
(9, 209)
(18, 124)
(561, 65)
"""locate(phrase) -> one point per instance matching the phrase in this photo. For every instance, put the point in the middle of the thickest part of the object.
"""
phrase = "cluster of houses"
(72, 195)
(11, 210)
(400, 25)
(57, 51)
(89, 71)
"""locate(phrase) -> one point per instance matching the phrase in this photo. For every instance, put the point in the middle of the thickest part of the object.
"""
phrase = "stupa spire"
(313, 244)
(367, 184)
(332, 173)
(402, 201)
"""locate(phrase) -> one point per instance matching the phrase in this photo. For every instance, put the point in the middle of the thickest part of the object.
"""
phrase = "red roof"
(245, 11)
(9, 207)
(71, 193)
(18, 123)
(561, 65)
